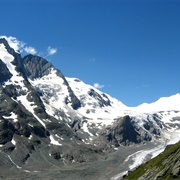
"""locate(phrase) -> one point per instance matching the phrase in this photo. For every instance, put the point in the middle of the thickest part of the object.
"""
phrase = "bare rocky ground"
(105, 169)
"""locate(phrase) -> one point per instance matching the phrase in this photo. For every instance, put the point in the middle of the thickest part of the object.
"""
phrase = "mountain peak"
(50, 121)
(4, 41)
(36, 66)
(162, 104)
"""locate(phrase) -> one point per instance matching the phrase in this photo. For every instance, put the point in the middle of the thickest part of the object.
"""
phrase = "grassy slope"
(165, 160)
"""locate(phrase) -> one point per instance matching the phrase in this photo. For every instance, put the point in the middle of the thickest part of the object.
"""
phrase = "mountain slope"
(49, 121)
(24, 121)
(164, 166)
(39, 69)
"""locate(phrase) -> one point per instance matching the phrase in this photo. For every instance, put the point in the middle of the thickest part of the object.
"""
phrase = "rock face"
(5, 74)
(38, 67)
(121, 133)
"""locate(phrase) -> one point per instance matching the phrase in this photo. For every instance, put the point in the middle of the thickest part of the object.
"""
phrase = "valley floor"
(112, 168)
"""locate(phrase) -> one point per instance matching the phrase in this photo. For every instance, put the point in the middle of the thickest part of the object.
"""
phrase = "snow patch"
(14, 162)
(12, 116)
(59, 137)
(54, 142)
(8, 59)
(85, 128)
(13, 142)
(29, 107)
(27, 171)
(30, 137)
(36, 171)
(167, 117)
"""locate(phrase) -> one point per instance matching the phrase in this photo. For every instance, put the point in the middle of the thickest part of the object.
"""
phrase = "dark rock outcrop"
(5, 74)
(101, 101)
(121, 132)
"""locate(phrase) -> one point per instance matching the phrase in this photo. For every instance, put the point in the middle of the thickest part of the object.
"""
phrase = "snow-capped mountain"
(49, 121)
(171, 103)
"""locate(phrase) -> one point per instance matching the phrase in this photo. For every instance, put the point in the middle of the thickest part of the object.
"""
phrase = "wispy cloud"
(98, 86)
(51, 51)
(30, 50)
(14, 43)
(19, 46)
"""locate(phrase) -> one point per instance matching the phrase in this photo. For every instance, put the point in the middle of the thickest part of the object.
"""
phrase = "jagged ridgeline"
(54, 127)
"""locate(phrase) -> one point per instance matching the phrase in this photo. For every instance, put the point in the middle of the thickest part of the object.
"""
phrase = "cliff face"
(164, 166)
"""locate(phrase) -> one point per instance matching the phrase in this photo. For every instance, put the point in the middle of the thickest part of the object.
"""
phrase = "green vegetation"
(161, 166)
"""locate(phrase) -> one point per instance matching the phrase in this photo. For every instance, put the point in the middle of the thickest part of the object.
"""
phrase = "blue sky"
(129, 48)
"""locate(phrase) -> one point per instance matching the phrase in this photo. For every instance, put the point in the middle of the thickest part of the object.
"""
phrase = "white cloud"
(51, 51)
(19, 46)
(98, 86)
(14, 43)
(30, 50)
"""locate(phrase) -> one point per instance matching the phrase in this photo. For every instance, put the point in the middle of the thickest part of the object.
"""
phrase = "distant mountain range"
(55, 127)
